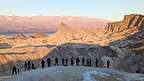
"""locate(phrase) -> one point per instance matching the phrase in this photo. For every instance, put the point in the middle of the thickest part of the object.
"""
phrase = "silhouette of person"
(33, 66)
(96, 62)
(42, 63)
(25, 66)
(66, 62)
(56, 61)
(49, 62)
(63, 61)
(77, 61)
(83, 61)
(72, 61)
(14, 70)
(89, 61)
(18, 70)
(29, 65)
(108, 64)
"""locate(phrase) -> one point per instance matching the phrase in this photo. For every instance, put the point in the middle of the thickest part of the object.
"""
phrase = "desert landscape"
(71, 40)
(119, 42)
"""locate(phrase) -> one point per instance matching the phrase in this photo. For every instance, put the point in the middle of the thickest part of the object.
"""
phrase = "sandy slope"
(75, 74)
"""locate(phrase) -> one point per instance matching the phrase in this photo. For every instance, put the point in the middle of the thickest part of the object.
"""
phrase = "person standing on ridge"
(14, 70)
(72, 61)
(42, 63)
(56, 61)
(96, 62)
(18, 70)
(66, 62)
(83, 61)
(63, 61)
(108, 64)
(77, 61)
(33, 66)
(90, 62)
(29, 65)
(25, 66)
(49, 62)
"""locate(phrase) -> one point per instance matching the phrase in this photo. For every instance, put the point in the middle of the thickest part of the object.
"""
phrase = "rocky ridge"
(120, 42)
(74, 74)
(130, 25)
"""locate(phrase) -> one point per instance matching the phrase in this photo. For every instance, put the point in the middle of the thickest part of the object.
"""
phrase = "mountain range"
(13, 24)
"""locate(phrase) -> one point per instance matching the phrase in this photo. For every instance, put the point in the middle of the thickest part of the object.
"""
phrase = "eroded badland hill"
(120, 42)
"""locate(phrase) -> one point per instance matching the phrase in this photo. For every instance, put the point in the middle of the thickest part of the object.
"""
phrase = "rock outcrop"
(130, 25)
(129, 21)
(130, 32)
(19, 36)
(39, 35)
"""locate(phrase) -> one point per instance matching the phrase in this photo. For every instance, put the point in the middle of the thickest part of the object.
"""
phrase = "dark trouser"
(108, 66)
(72, 63)
(96, 64)
(56, 64)
(62, 63)
(43, 66)
(14, 72)
(48, 64)
(77, 63)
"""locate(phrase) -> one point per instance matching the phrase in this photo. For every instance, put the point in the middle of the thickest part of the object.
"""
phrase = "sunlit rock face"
(124, 38)
(120, 42)
(131, 32)
(130, 25)
(129, 21)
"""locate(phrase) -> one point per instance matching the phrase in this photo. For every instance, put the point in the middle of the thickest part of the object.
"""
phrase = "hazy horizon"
(12, 24)
(110, 10)
(46, 15)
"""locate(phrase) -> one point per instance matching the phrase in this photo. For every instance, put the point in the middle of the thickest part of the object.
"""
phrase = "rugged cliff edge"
(130, 32)
(130, 25)
(129, 21)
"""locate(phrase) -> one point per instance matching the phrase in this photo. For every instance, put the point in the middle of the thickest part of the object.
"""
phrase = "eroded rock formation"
(120, 42)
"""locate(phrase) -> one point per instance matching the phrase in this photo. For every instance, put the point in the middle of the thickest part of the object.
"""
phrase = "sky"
(104, 9)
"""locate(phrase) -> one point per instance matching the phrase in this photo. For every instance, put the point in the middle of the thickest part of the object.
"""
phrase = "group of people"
(56, 62)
